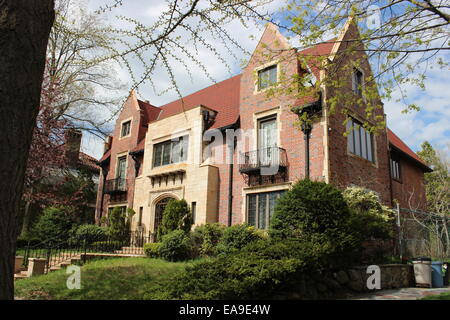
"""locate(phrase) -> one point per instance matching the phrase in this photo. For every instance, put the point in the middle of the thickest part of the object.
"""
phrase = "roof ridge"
(195, 92)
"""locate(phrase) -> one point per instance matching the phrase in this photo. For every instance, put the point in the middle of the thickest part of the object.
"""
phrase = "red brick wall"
(345, 168)
(410, 190)
(291, 138)
(124, 146)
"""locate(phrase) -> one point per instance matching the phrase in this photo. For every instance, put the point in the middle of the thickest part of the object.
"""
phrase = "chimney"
(107, 144)
(72, 146)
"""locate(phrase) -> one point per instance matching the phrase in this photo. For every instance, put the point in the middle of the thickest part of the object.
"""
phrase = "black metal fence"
(57, 252)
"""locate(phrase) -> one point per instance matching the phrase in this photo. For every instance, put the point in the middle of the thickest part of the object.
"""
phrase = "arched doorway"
(159, 209)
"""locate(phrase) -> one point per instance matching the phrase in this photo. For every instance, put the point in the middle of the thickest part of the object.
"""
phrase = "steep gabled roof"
(88, 161)
(105, 156)
(222, 97)
(320, 49)
(151, 112)
(399, 145)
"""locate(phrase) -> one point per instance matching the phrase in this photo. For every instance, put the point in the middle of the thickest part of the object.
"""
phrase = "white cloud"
(431, 123)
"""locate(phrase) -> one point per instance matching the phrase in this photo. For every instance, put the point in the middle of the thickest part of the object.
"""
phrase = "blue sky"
(431, 123)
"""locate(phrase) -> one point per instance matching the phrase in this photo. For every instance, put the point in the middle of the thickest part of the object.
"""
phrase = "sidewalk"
(401, 294)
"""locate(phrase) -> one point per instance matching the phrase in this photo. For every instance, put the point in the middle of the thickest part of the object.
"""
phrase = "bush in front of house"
(373, 224)
(176, 246)
(107, 246)
(236, 237)
(89, 233)
(151, 250)
(53, 226)
(316, 212)
(370, 217)
(261, 270)
(206, 238)
(119, 224)
(176, 216)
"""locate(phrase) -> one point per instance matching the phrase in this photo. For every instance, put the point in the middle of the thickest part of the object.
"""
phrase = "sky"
(431, 123)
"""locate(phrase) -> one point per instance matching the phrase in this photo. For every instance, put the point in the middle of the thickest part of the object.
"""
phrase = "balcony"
(267, 161)
(116, 186)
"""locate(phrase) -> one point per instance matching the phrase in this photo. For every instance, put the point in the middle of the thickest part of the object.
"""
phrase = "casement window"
(123, 209)
(126, 127)
(267, 77)
(395, 167)
(359, 140)
(260, 208)
(267, 140)
(357, 81)
(172, 151)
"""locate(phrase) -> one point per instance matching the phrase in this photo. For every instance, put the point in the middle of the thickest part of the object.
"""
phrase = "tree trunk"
(24, 29)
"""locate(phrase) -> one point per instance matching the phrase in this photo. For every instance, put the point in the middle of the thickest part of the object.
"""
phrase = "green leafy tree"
(371, 219)
(118, 224)
(438, 181)
(403, 41)
(316, 212)
(54, 226)
(176, 216)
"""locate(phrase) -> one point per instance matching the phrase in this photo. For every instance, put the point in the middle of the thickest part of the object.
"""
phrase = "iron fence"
(57, 252)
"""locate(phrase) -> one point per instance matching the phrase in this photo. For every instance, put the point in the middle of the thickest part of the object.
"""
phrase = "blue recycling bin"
(436, 274)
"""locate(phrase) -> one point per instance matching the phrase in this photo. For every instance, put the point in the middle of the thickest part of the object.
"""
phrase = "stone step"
(55, 268)
(18, 276)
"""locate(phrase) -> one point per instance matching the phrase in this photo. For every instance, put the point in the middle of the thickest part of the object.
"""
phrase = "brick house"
(186, 149)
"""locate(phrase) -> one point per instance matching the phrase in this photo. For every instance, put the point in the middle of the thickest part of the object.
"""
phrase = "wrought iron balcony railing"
(266, 161)
(116, 185)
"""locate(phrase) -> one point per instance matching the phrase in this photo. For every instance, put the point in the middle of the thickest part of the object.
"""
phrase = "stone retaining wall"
(354, 280)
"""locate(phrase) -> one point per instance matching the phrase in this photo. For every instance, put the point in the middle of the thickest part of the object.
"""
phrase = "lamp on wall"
(306, 114)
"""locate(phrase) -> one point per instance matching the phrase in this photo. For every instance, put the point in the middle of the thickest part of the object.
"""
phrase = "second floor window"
(126, 126)
(267, 77)
(395, 167)
(360, 141)
(172, 151)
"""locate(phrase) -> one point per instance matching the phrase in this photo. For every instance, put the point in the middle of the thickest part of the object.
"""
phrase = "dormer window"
(358, 77)
(267, 77)
(126, 127)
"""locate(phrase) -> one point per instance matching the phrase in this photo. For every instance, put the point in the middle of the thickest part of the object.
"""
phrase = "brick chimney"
(107, 144)
(72, 146)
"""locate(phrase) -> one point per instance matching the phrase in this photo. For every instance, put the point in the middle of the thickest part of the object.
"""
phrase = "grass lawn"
(442, 296)
(117, 278)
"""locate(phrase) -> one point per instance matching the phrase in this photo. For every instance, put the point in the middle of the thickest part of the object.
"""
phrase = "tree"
(24, 33)
(438, 181)
(24, 29)
(402, 39)
(77, 40)
(176, 216)
(435, 223)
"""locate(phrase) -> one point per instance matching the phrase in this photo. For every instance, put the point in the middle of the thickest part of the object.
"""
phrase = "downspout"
(230, 193)
(102, 197)
(231, 149)
(306, 129)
